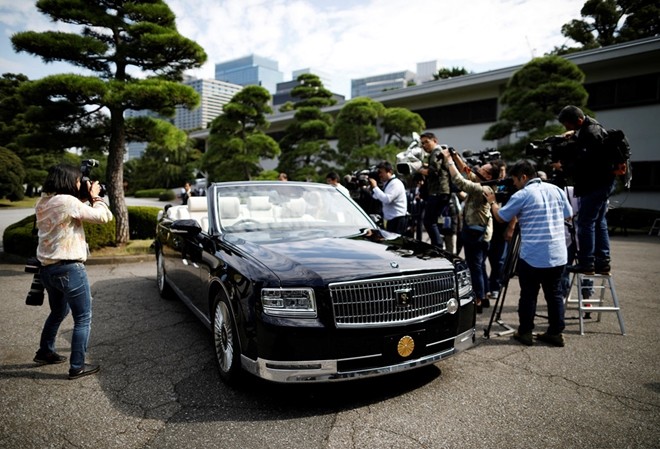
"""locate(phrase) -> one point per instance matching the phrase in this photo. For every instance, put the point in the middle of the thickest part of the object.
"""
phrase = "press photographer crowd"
(471, 203)
(504, 221)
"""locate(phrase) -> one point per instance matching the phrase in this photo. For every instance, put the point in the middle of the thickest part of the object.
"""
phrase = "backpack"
(618, 152)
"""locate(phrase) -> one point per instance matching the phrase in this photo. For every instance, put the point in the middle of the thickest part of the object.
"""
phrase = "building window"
(470, 113)
(625, 92)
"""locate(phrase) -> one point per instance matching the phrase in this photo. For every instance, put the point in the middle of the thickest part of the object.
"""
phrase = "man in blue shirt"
(541, 209)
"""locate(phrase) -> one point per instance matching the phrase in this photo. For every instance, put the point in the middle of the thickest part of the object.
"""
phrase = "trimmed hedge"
(627, 219)
(162, 195)
(142, 222)
(18, 238)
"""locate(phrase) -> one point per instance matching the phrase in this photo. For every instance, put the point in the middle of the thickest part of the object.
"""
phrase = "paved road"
(158, 387)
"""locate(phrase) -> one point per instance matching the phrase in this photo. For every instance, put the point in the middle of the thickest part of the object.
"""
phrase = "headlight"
(291, 302)
(464, 281)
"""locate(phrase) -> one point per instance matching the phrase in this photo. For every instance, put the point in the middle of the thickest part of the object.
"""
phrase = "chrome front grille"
(391, 301)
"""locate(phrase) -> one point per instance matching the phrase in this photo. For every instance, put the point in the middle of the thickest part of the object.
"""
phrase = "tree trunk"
(115, 176)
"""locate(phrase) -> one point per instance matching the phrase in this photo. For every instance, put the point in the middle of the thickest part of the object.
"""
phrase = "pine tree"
(118, 40)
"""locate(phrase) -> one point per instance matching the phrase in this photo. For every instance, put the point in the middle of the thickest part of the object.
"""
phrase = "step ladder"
(655, 227)
(602, 283)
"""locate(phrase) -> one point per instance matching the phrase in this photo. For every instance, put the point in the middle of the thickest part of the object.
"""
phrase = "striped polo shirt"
(541, 209)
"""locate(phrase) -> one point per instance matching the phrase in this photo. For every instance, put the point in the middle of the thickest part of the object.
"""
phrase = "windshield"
(267, 211)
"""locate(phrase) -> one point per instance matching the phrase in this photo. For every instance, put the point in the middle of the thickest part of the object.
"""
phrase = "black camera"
(360, 179)
(503, 188)
(86, 168)
(358, 186)
(554, 148)
(480, 158)
(35, 296)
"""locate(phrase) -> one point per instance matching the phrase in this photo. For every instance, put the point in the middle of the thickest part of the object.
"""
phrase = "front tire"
(225, 341)
(164, 288)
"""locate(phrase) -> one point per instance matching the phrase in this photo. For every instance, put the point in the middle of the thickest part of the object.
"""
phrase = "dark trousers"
(496, 256)
(397, 224)
(434, 205)
(531, 280)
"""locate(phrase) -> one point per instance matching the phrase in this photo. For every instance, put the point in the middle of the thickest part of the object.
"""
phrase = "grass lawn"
(133, 247)
(24, 203)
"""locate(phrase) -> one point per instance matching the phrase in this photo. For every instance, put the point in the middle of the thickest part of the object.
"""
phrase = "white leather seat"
(295, 210)
(230, 210)
(178, 212)
(260, 209)
(198, 210)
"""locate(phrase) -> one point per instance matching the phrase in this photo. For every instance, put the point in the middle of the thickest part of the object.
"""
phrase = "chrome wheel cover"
(160, 272)
(223, 337)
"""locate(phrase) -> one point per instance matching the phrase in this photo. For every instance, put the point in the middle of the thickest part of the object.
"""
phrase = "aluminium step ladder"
(655, 227)
(601, 284)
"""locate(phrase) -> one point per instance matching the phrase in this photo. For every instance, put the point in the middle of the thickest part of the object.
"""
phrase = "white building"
(426, 70)
(375, 85)
(213, 95)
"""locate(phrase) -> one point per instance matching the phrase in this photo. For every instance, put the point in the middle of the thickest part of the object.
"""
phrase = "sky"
(344, 38)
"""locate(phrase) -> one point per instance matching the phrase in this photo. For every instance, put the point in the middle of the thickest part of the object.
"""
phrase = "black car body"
(297, 284)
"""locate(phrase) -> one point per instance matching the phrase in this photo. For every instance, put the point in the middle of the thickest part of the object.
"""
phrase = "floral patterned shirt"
(60, 223)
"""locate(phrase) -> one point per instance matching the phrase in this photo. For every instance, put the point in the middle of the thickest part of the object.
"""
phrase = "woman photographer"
(62, 249)
(477, 224)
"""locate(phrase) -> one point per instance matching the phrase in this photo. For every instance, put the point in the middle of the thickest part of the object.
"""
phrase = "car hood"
(325, 260)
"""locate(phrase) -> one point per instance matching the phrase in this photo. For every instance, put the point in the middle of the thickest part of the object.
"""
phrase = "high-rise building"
(213, 95)
(426, 70)
(283, 92)
(323, 76)
(135, 150)
(250, 70)
(374, 85)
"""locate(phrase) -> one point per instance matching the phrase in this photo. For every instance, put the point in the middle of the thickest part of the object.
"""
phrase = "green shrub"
(167, 195)
(142, 222)
(18, 238)
(100, 235)
(628, 218)
(150, 193)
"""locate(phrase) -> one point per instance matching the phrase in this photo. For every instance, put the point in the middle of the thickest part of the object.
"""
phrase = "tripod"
(508, 271)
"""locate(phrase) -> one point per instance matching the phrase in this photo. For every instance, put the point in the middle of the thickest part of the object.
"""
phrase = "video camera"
(555, 148)
(412, 159)
(359, 180)
(481, 158)
(86, 168)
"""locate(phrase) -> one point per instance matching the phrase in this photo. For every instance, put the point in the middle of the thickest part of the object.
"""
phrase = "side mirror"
(186, 226)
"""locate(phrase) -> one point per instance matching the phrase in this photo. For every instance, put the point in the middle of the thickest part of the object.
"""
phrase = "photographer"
(62, 249)
(437, 186)
(393, 196)
(477, 225)
(594, 183)
(541, 208)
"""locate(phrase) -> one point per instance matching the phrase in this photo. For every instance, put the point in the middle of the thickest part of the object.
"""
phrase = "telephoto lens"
(35, 296)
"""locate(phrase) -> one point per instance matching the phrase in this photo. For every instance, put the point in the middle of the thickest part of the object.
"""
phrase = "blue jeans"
(475, 256)
(496, 256)
(68, 289)
(587, 284)
(531, 280)
(433, 207)
(592, 234)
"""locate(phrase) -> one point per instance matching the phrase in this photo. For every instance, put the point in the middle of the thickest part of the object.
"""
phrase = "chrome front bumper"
(326, 370)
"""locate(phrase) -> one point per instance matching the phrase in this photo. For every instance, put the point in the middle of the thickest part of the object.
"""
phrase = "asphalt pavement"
(159, 388)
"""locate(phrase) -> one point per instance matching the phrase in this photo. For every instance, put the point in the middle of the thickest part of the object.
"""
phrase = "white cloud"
(356, 38)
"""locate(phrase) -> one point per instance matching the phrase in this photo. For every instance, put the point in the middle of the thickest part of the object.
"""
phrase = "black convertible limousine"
(298, 284)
